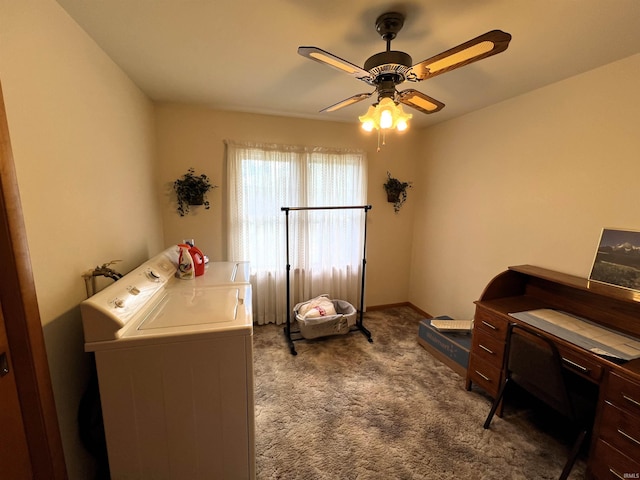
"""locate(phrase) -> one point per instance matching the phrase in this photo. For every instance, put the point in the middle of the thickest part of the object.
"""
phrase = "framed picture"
(617, 260)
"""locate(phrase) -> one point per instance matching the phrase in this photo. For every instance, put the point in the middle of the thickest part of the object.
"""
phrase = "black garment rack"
(359, 322)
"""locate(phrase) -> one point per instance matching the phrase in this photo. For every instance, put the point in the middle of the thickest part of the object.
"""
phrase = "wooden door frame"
(23, 324)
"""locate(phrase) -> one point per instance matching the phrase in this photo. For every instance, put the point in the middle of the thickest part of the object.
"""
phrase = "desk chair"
(532, 361)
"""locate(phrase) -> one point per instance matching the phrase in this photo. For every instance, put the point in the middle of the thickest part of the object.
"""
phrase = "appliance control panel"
(108, 311)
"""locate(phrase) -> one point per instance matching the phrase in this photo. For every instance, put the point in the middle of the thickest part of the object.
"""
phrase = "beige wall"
(193, 137)
(83, 144)
(531, 180)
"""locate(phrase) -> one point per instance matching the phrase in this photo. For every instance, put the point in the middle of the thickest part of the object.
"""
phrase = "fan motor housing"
(389, 63)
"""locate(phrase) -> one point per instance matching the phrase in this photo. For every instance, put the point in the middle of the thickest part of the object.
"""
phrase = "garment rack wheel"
(287, 334)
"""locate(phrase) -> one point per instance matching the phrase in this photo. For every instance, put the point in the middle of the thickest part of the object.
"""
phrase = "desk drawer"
(492, 323)
(484, 374)
(488, 348)
(608, 463)
(624, 393)
(581, 364)
(621, 430)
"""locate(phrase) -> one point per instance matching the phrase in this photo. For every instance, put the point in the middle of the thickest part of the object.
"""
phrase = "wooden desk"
(615, 445)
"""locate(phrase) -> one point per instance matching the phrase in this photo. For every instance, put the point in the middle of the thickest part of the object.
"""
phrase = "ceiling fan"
(388, 69)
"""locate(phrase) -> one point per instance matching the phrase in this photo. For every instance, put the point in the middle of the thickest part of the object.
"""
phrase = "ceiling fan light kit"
(386, 70)
(386, 115)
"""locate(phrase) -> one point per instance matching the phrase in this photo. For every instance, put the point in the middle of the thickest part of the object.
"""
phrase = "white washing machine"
(175, 370)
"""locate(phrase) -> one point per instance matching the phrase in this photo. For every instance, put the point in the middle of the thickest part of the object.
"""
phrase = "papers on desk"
(584, 333)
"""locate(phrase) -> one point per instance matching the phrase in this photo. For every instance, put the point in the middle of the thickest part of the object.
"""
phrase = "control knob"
(153, 276)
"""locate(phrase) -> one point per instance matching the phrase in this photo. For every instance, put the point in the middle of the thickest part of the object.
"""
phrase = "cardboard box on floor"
(452, 349)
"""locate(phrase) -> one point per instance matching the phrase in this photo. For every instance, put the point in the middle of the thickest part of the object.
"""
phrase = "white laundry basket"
(325, 325)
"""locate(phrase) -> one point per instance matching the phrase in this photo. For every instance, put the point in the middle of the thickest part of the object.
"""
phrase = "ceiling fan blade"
(330, 59)
(349, 101)
(484, 46)
(419, 101)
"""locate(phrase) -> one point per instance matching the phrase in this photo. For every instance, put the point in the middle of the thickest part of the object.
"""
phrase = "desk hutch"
(614, 452)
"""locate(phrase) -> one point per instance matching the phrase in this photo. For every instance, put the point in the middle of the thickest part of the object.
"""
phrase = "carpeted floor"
(344, 408)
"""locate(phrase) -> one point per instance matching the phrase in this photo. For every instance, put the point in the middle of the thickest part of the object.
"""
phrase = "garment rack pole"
(359, 321)
(288, 326)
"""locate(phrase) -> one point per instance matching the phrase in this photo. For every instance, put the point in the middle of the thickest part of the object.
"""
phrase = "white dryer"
(175, 371)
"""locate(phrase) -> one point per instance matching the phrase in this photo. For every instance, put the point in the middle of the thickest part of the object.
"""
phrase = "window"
(325, 246)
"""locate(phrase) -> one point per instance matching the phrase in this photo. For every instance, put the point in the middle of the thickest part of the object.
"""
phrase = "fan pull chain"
(383, 139)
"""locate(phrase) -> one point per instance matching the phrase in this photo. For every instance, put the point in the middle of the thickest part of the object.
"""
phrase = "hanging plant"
(191, 189)
(396, 191)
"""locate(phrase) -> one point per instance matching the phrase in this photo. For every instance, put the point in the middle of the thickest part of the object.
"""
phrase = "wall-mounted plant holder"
(396, 191)
(191, 190)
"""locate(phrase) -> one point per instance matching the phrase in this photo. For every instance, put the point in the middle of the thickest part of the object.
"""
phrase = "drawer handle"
(629, 399)
(485, 349)
(489, 325)
(628, 437)
(575, 365)
(483, 376)
(616, 474)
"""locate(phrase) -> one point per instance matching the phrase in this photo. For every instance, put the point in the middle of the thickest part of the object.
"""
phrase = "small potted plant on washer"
(191, 189)
(396, 191)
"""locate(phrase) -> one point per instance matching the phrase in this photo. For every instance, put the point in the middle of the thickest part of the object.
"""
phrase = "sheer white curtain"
(325, 246)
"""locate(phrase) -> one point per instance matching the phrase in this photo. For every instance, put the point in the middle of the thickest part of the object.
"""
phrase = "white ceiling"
(242, 54)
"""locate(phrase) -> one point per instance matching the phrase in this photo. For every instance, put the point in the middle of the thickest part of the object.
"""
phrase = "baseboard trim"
(396, 305)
